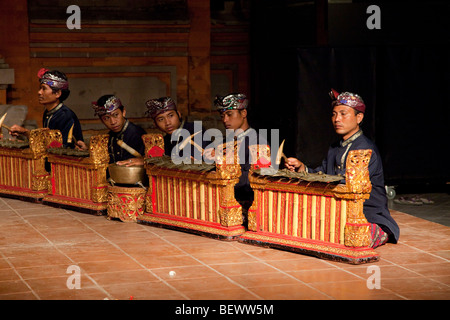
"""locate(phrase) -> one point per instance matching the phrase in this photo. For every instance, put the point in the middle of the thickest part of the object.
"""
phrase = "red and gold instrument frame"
(22, 170)
(316, 218)
(193, 201)
(79, 183)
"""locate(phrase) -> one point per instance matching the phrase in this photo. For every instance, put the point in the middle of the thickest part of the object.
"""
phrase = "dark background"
(300, 49)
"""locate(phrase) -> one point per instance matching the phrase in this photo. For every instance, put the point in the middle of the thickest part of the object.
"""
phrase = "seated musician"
(125, 143)
(348, 113)
(168, 119)
(53, 91)
(234, 115)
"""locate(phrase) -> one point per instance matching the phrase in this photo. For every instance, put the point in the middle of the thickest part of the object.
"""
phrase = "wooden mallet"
(130, 150)
(280, 154)
(2, 119)
(70, 136)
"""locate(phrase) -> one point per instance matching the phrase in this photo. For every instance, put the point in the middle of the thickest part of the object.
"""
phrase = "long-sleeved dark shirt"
(131, 134)
(62, 118)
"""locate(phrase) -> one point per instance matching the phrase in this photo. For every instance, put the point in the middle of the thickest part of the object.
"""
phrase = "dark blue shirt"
(131, 134)
(376, 207)
(62, 118)
(172, 143)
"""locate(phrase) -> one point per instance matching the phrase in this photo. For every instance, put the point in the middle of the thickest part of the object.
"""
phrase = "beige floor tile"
(134, 261)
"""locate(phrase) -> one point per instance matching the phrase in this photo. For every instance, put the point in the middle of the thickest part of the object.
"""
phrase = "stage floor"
(438, 211)
(116, 260)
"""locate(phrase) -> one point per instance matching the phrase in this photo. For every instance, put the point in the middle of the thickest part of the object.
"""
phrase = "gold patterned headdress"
(111, 104)
(234, 101)
(349, 99)
(157, 106)
(52, 80)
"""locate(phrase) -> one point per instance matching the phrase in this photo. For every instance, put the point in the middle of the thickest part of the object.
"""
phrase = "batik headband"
(157, 106)
(234, 101)
(110, 105)
(349, 99)
(47, 77)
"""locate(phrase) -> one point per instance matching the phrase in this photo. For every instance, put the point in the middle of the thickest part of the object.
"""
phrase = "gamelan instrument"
(194, 198)
(22, 165)
(78, 178)
(312, 214)
(126, 195)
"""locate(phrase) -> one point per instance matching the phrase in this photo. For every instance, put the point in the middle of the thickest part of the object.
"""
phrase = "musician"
(125, 144)
(168, 119)
(347, 115)
(53, 91)
(234, 115)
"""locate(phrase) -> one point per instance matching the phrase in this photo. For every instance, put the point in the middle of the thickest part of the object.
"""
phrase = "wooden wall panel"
(186, 44)
(14, 47)
(230, 52)
(115, 51)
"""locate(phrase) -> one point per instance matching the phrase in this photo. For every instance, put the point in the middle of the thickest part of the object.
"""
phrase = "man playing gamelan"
(234, 115)
(347, 115)
(125, 145)
(53, 91)
(168, 119)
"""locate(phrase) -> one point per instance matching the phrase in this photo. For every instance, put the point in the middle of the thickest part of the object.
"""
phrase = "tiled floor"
(116, 260)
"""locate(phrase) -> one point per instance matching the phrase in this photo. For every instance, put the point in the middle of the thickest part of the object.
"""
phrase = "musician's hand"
(294, 164)
(17, 130)
(208, 155)
(131, 162)
(80, 145)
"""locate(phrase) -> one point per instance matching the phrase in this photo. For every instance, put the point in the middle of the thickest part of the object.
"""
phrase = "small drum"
(125, 203)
